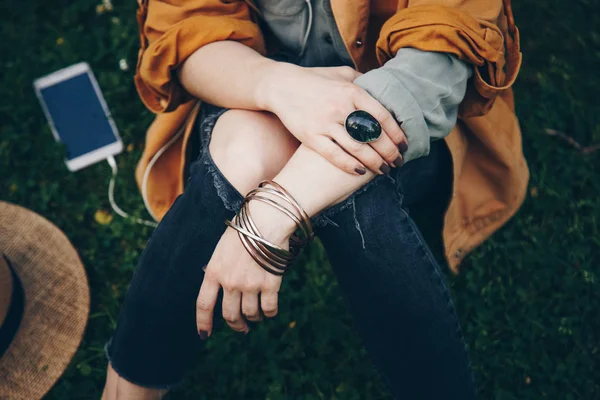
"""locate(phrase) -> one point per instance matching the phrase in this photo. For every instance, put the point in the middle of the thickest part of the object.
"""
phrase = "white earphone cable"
(111, 197)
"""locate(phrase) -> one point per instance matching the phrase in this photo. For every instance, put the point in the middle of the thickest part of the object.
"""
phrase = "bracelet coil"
(269, 256)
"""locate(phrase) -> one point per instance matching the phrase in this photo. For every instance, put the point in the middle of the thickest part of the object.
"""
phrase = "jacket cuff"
(423, 91)
(496, 57)
(155, 78)
(383, 86)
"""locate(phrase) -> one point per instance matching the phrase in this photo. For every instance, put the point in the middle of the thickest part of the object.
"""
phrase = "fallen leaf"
(103, 217)
(534, 192)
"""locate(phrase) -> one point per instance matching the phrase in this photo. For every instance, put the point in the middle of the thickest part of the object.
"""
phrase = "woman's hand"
(249, 292)
(313, 104)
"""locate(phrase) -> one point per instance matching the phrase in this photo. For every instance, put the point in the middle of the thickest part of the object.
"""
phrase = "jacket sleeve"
(481, 32)
(171, 30)
(423, 91)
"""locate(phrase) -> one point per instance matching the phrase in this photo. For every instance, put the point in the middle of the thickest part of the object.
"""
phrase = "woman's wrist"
(273, 224)
(273, 78)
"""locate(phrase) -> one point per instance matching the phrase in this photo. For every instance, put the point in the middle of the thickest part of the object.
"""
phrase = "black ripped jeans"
(393, 285)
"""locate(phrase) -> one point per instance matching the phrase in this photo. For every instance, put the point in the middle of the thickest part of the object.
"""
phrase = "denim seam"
(445, 291)
(436, 274)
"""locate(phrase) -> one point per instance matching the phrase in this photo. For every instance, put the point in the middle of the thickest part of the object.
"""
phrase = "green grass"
(528, 299)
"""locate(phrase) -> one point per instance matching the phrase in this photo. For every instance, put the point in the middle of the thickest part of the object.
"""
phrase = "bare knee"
(250, 146)
(117, 388)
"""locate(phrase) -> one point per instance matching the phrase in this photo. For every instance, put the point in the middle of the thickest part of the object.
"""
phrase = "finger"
(364, 101)
(232, 301)
(361, 151)
(205, 305)
(333, 153)
(388, 150)
(250, 308)
(268, 303)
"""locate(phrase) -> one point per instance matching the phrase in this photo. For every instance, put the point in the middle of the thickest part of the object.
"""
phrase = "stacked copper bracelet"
(269, 256)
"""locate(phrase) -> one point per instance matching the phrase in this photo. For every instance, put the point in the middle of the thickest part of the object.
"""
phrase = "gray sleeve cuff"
(422, 90)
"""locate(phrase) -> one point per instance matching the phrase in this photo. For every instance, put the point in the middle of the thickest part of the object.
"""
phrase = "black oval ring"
(362, 126)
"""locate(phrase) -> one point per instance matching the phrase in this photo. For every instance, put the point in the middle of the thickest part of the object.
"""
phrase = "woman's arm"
(228, 74)
(312, 103)
(316, 184)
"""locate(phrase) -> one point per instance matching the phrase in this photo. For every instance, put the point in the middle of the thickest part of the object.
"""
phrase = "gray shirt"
(421, 89)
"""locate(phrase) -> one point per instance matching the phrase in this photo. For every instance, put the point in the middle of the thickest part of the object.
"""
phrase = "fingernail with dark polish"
(398, 162)
(360, 170)
(203, 335)
(384, 168)
(403, 147)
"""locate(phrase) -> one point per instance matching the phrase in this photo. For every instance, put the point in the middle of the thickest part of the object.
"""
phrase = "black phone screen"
(78, 116)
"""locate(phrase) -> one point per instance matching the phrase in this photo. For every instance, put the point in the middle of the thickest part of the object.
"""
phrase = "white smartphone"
(78, 115)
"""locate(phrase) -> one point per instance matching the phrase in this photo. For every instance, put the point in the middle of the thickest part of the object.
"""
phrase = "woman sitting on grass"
(325, 115)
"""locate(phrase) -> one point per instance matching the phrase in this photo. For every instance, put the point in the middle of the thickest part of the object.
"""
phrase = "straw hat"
(44, 303)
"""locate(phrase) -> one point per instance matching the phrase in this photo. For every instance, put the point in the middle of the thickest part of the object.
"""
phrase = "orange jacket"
(490, 173)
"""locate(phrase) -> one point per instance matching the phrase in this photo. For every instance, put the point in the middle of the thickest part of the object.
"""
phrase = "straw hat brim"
(57, 302)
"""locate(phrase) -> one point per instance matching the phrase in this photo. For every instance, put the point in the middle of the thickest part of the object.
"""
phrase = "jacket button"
(359, 42)
(327, 38)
